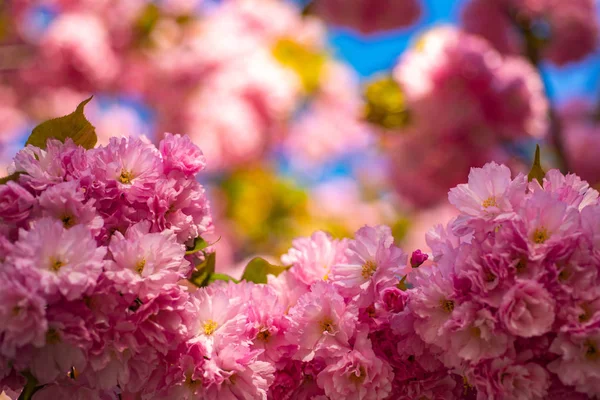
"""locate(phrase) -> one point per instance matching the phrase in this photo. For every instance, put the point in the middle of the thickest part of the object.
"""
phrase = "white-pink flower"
(65, 261)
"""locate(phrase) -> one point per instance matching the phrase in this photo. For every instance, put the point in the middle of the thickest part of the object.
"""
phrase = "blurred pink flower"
(581, 131)
(369, 16)
(568, 30)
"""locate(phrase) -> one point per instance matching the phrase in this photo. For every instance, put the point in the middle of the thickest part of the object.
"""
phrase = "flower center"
(385, 104)
(540, 235)
(126, 177)
(489, 202)
(55, 265)
(591, 352)
(587, 313)
(139, 267)
(263, 335)
(210, 327)
(191, 382)
(368, 269)
(359, 376)
(327, 325)
(521, 265)
(447, 305)
(52, 336)
(68, 220)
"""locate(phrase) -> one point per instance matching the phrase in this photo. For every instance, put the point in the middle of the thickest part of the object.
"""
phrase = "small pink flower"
(374, 261)
(66, 202)
(144, 261)
(579, 362)
(475, 335)
(180, 154)
(503, 378)
(527, 309)
(22, 311)
(490, 191)
(358, 373)
(131, 163)
(65, 261)
(312, 258)
(320, 322)
(16, 203)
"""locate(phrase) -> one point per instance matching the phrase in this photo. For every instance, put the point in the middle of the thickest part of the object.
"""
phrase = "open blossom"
(16, 203)
(358, 373)
(527, 309)
(312, 258)
(65, 261)
(129, 162)
(373, 261)
(320, 322)
(22, 311)
(578, 362)
(490, 191)
(503, 378)
(146, 261)
(66, 202)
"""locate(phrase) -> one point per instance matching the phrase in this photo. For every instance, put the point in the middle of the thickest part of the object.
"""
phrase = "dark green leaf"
(204, 270)
(258, 268)
(536, 169)
(74, 126)
(12, 177)
(199, 245)
(30, 387)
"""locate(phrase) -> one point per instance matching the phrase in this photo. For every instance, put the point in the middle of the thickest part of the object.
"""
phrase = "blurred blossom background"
(323, 114)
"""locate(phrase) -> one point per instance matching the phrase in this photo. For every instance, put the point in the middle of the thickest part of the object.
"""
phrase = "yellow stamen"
(540, 235)
(68, 221)
(126, 177)
(139, 267)
(263, 335)
(210, 327)
(489, 202)
(327, 325)
(368, 269)
(55, 265)
(447, 305)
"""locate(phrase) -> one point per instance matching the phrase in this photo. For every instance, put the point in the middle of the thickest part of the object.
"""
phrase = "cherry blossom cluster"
(511, 301)
(239, 77)
(459, 102)
(92, 247)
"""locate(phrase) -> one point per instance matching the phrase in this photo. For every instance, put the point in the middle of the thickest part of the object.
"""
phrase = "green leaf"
(536, 169)
(30, 387)
(199, 245)
(12, 177)
(402, 284)
(74, 126)
(258, 268)
(221, 277)
(204, 270)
